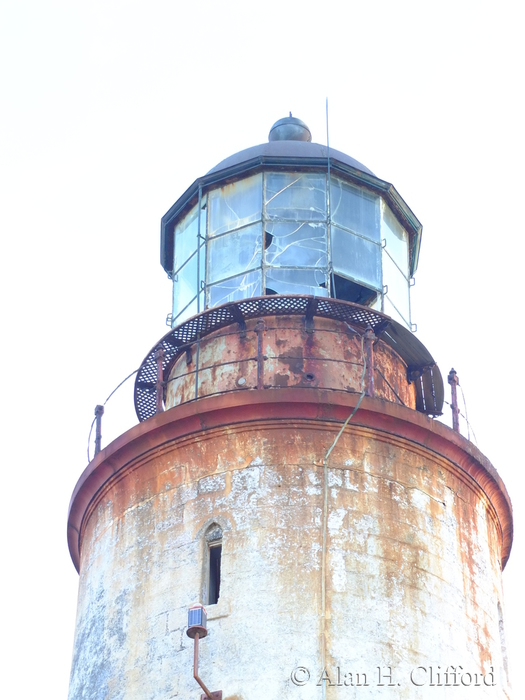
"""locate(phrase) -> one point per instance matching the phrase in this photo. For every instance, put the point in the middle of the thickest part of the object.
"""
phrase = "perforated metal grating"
(421, 366)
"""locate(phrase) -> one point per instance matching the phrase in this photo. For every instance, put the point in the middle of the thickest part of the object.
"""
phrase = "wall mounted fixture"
(197, 629)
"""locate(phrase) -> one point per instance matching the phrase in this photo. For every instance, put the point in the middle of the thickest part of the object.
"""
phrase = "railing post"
(159, 386)
(369, 339)
(99, 412)
(259, 329)
(454, 381)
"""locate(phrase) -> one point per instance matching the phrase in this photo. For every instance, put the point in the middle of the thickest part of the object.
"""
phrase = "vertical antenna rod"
(328, 205)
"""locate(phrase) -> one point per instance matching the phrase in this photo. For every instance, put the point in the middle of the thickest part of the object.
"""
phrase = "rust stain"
(329, 357)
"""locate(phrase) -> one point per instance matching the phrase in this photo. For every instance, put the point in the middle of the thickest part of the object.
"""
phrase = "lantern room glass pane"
(240, 287)
(188, 312)
(293, 281)
(355, 209)
(390, 310)
(356, 258)
(295, 196)
(396, 240)
(295, 243)
(186, 236)
(235, 252)
(398, 287)
(235, 205)
(185, 285)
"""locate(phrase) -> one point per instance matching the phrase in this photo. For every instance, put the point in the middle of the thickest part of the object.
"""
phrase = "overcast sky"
(108, 112)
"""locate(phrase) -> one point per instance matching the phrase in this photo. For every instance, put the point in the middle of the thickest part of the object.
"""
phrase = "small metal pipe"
(369, 339)
(159, 385)
(99, 412)
(208, 694)
(197, 357)
(454, 381)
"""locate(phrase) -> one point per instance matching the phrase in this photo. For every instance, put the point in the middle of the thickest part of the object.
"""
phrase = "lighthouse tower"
(287, 472)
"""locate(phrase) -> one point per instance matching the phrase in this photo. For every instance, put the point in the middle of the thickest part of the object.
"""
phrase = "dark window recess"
(214, 583)
(351, 291)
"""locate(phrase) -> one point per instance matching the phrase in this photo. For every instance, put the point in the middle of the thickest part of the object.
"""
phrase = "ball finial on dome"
(289, 129)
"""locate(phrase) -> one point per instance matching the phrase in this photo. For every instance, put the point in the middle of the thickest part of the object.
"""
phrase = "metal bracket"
(311, 308)
(414, 372)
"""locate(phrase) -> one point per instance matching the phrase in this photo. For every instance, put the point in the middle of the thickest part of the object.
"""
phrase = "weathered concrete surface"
(417, 525)
(329, 357)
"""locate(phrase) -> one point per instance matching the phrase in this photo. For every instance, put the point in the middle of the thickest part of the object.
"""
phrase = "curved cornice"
(285, 405)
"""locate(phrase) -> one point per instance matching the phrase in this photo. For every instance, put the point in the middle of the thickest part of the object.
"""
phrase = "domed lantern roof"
(290, 217)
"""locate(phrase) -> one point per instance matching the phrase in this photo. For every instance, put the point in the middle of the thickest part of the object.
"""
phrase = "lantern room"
(290, 217)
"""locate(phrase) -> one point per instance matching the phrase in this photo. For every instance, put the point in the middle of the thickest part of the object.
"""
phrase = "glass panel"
(356, 257)
(188, 312)
(390, 310)
(301, 244)
(234, 252)
(296, 196)
(355, 209)
(235, 205)
(186, 236)
(185, 285)
(241, 287)
(283, 281)
(398, 289)
(396, 239)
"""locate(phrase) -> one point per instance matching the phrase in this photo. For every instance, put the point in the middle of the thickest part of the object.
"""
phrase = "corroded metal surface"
(280, 352)
(418, 524)
(421, 368)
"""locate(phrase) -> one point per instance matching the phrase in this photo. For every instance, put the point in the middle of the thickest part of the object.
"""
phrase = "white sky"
(109, 110)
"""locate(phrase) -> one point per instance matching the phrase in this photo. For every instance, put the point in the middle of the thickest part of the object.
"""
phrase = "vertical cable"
(325, 521)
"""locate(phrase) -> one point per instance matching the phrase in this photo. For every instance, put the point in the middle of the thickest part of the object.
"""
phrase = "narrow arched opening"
(213, 539)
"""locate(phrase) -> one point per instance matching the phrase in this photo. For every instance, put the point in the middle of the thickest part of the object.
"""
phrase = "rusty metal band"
(429, 392)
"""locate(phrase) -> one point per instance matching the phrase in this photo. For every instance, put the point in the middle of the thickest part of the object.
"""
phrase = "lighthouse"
(288, 519)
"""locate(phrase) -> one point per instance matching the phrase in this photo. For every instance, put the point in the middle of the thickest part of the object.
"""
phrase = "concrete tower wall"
(408, 532)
